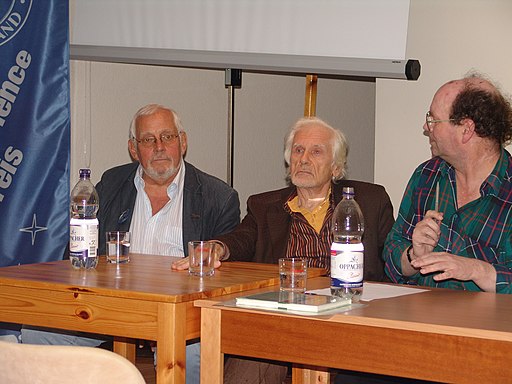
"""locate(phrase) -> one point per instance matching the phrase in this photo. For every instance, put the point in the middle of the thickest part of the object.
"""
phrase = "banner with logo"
(34, 130)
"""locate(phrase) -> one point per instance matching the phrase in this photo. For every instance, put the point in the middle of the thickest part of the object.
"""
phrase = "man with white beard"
(164, 201)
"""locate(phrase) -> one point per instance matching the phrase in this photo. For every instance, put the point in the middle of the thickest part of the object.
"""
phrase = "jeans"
(35, 335)
(10, 332)
(47, 336)
(11, 338)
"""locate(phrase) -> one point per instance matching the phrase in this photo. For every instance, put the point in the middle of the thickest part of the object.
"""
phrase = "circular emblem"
(13, 15)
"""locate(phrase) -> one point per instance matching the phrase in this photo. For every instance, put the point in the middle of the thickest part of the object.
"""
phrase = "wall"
(449, 38)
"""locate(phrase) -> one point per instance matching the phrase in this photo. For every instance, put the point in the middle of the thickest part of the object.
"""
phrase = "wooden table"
(439, 335)
(143, 299)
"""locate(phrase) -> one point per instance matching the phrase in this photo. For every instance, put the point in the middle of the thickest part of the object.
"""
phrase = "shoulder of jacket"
(272, 196)
(196, 177)
(358, 185)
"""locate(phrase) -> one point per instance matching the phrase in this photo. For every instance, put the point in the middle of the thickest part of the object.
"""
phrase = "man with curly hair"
(454, 227)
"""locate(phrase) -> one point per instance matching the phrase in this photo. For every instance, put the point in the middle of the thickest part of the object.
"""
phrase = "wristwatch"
(408, 253)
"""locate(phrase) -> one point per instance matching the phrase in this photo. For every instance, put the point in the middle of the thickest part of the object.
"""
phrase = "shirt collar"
(499, 175)
(291, 203)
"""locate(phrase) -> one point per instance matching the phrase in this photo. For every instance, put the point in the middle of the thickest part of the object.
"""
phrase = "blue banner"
(34, 130)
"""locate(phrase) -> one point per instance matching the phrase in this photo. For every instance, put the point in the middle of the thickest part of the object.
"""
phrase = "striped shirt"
(162, 233)
(481, 229)
(304, 241)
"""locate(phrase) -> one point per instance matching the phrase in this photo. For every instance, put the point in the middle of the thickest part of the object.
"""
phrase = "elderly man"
(163, 200)
(296, 221)
(455, 220)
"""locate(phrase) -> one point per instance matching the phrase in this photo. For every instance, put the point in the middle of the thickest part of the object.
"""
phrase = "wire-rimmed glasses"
(150, 141)
(431, 121)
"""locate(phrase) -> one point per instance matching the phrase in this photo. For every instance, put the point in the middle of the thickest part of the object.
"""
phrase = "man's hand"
(456, 267)
(218, 251)
(182, 264)
(426, 233)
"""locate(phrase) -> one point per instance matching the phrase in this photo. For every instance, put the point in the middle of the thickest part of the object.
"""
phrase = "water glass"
(201, 258)
(293, 274)
(118, 247)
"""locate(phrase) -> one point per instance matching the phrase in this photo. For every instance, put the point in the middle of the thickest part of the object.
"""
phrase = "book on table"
(293, 301)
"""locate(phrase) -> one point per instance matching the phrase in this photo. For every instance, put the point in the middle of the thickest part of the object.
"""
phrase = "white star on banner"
(33, 229)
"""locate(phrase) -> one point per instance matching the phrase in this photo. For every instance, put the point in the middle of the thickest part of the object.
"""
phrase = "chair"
(42, 364)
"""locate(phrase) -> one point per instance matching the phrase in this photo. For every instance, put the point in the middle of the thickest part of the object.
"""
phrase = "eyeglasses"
(431, 121)
(150, 141)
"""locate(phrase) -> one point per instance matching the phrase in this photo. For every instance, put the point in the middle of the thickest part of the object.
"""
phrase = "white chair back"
(45, 364)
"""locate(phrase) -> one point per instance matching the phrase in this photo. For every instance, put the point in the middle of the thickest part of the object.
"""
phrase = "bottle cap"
(85, 173)
(348, 190)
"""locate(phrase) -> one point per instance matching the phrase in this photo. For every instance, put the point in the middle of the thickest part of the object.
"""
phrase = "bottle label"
(347, 265)
(83, 237)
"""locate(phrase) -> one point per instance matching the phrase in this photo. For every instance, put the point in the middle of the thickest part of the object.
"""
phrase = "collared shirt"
(315, 217)
(162, 233)
(305, 241)
(481, 229)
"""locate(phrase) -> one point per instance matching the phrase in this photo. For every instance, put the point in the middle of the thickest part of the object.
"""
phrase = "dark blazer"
(263, 234)
(210, 206)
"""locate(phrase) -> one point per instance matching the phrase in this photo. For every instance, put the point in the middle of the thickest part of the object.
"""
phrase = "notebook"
(302, 302)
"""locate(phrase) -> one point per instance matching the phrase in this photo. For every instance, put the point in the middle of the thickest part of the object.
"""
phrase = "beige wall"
(449, 37)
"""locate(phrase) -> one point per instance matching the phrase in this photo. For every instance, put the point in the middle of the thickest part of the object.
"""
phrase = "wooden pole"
(307, 375)
(310, 99)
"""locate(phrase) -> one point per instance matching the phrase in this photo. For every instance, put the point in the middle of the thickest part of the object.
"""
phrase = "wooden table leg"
(125, 347)
(170, 356)
(211, 355)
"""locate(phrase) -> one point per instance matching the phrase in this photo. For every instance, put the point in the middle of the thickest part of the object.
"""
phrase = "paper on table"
(374, 291)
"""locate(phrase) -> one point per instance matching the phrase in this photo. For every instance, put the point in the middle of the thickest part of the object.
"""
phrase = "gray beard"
(161, 176)
(301, 183)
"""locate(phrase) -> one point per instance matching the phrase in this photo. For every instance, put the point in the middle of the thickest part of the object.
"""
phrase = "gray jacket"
(210, 206)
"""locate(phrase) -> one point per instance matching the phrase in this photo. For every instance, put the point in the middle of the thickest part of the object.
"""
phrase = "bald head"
(477, 98)
(449, 91)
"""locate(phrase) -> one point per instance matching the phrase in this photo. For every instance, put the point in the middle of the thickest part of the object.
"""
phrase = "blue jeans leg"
(10, 332)
(193, 353)
(48, 336)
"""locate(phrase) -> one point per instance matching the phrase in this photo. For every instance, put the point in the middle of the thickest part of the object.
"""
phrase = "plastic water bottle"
(83, 228)
(347, 250)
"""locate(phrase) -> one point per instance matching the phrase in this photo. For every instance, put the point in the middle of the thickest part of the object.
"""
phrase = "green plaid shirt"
(481, 229)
